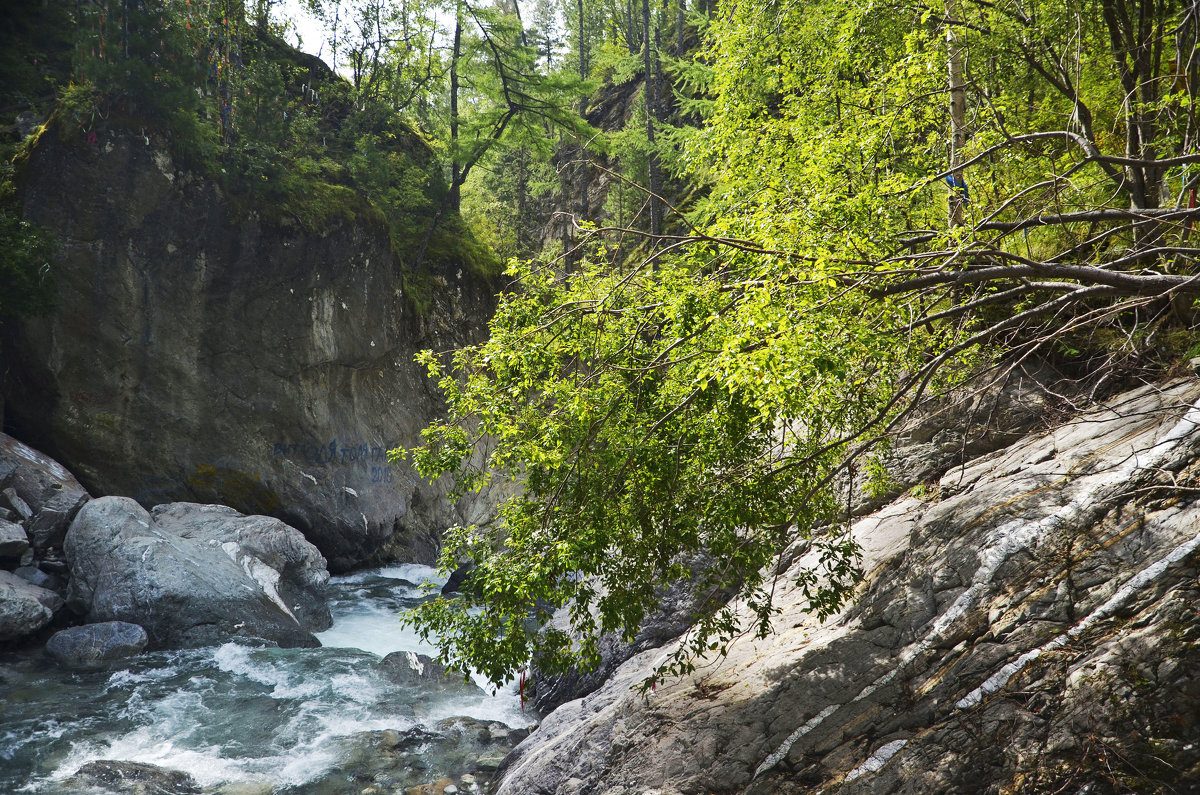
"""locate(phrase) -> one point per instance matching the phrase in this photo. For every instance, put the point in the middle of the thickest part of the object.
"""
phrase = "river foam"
(237, 712)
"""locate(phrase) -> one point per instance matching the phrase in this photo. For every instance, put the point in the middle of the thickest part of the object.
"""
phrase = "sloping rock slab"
(185, 592)
(24, 607)
(1034, 630)
(94, 644)
(51, 493)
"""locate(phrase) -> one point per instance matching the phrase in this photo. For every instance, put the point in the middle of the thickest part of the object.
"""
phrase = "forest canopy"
(895, 196)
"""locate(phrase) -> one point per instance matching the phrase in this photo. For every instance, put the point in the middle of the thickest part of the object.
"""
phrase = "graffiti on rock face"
(336, 453)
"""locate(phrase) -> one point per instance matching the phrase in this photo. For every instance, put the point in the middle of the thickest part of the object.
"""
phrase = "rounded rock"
(94, 644)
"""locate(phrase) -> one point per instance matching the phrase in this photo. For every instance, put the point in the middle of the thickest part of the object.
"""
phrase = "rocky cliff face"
(205, 355)
(1029, 624)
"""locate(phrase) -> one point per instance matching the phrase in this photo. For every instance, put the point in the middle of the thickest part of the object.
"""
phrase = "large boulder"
(24, 607)
(205, 352)
(39, 492)
(192, 591)
(94, 644)
(1030, 625)
(266, 548)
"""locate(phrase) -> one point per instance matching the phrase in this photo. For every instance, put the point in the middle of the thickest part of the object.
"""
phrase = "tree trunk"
(679, 28)
(455, 196)
(584, 210)
(630, 30)
(958, 113)
(649, 62)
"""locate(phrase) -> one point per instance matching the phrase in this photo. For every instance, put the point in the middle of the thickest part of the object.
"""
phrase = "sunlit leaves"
(694, 406)
(652, 416)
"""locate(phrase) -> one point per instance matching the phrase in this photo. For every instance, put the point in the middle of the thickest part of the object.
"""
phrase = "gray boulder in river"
(195, 575)
(423, 673)
(255, 542)
(24, 607)
(38, 492)
(92, 644)
(131, 778)
(202, 351)
(1029, 623)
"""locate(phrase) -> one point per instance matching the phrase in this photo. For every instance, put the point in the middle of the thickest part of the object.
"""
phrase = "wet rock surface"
(1028, 625)
(95, 644)
(458, 755)
(133, 778)
(188, 591)
(424, 673)
(202, 352)
(24, 607)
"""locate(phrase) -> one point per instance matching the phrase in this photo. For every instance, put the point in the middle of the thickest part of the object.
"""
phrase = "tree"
(700, 403)
(651, 69)
(493, 67)
(392, 50)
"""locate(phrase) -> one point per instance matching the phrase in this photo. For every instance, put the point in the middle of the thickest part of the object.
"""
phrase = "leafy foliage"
(652, 416)
(696, 402)
(27, 284)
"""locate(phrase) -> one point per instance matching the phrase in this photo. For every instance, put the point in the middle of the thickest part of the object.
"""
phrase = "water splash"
(236, 713)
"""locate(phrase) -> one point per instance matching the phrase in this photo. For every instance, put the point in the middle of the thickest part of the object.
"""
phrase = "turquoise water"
(241, 718)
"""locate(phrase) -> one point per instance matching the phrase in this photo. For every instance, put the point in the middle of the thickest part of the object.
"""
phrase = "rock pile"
(38, 500)
(183, 575)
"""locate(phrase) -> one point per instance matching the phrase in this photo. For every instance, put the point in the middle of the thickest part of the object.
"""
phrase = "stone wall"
(207, 353)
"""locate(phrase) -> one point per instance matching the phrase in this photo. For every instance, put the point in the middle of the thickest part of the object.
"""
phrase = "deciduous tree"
(701, 401)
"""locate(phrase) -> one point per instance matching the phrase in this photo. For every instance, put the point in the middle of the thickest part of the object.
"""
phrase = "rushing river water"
(246, 719)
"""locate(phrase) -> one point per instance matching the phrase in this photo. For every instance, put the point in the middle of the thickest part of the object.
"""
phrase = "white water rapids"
(282, 720)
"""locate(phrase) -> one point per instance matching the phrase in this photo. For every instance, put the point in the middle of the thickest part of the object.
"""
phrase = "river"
(252, 719)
